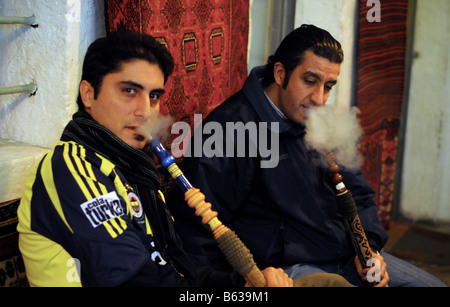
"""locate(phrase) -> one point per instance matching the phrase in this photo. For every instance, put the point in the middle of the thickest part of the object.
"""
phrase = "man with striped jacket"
(91, 213)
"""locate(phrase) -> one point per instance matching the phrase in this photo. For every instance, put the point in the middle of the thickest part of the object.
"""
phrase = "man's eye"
(154, 96)
(329, 87)
(130, 90)
(310, 82)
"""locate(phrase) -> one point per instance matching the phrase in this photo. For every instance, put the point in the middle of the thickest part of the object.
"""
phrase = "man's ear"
(86, 93)
(279, 73)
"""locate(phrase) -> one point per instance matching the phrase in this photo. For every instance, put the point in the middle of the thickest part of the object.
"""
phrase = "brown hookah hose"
(234, 250)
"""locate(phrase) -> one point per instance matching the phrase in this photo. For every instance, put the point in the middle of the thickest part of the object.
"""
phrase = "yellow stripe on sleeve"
(110, 229)
(116, 226)
(49, 183)
(91, 174)
(122, 223)
(74, 172)
(80, 167)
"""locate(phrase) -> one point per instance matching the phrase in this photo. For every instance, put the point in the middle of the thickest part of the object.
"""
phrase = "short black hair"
(106, 55)
(291, 51)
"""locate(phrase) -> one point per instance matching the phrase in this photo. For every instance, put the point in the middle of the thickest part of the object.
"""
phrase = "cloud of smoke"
(159, 128)
(329, 129)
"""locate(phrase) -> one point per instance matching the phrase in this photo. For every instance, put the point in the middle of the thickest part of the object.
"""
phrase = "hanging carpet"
(380, 85)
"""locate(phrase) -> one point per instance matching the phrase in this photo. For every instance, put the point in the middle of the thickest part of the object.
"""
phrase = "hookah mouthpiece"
(168, 162)
(164, 157)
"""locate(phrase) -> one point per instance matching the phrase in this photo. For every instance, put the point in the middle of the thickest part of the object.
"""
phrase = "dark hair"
(291, 51)
(106, 55)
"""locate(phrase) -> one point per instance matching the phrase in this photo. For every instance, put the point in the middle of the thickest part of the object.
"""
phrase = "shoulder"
(75, 157)
(236, 108)
(71, 171)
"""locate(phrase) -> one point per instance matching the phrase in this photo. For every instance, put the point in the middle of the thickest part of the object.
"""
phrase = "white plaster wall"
(425, 191)
(257, 53)
(51, 56)
(17, 161)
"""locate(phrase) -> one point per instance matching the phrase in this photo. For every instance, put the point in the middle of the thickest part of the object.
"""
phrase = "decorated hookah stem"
(347, 207)
(229, 243)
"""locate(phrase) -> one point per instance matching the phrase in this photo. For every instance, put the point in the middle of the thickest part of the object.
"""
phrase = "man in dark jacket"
(279, 199)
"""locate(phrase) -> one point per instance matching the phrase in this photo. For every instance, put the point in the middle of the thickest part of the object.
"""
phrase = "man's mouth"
(305, 108)
(137, 136)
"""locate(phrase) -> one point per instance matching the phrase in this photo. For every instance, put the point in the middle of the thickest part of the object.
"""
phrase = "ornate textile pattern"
(208, 40)
(381, 67)
(12, 269)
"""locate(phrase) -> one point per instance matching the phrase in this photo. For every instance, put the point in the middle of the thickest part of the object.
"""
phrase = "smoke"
(329, 129)
(159, 128)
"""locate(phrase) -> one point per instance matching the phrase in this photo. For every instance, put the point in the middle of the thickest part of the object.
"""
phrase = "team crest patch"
(102, 208)
(135, 205)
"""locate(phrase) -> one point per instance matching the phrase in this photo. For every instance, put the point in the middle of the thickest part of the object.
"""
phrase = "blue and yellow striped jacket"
(80, 222)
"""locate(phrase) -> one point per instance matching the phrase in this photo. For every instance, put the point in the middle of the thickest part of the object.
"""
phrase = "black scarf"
(137, 166)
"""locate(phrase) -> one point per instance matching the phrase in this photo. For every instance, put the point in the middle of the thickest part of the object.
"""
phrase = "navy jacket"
(286, 214)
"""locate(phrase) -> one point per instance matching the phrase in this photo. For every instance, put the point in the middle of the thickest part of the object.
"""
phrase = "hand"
(276, 278)
(378, 267)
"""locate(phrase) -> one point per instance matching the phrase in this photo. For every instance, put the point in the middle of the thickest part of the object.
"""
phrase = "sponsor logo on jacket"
(102, 208)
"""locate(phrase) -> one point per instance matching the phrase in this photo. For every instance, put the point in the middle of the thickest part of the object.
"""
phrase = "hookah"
(334, 135)
(236, 253)
(347, 208)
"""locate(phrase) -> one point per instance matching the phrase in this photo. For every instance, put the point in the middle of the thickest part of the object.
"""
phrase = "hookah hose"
(347, 207)
(229, 243)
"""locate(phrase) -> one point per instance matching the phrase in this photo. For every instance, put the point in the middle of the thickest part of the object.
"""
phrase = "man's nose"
(318, 96)
(142, 108)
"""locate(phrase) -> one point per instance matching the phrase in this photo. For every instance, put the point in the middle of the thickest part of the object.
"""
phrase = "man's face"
(309, 86)
(128, 99)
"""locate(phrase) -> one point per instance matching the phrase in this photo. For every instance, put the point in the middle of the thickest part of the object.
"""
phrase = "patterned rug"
(381, 69)
(12, 269)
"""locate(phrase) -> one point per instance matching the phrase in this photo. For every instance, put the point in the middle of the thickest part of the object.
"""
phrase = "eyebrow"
(159, 91)
(131, 83)
(316, 76)
(134, 84)
(312, 74)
